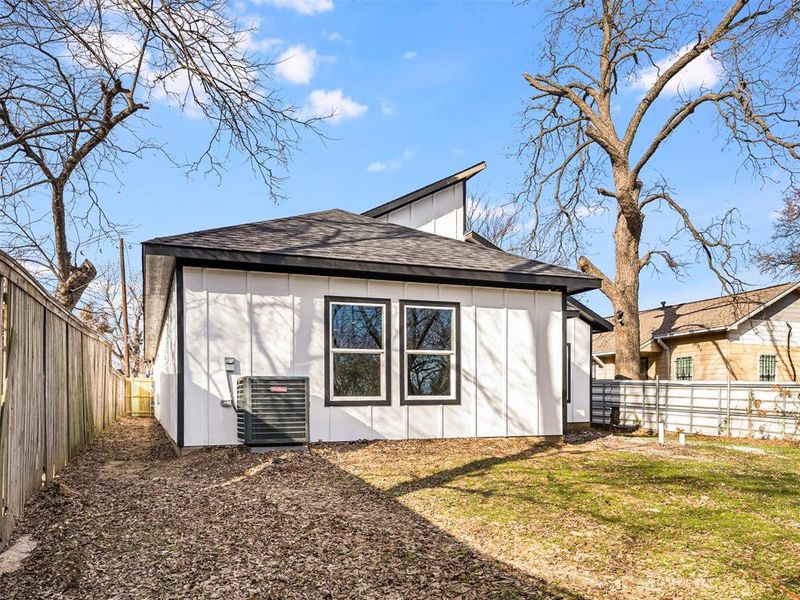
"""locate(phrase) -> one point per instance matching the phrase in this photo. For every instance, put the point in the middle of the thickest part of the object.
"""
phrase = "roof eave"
(359, 268)
(763, 307)
(598, 323)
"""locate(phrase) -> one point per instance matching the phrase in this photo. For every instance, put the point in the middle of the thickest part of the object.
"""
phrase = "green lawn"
(616, 516)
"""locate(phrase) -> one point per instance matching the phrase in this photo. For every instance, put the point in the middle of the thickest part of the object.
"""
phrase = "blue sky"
(425, 89)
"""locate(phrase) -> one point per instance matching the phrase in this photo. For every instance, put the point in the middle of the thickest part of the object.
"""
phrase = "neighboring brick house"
(752, 336)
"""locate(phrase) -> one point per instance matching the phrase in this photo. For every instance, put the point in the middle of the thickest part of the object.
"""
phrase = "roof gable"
(424, 191)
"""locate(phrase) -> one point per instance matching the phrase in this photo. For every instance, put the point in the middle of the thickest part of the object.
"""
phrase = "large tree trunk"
(72, 279)
(627, 235)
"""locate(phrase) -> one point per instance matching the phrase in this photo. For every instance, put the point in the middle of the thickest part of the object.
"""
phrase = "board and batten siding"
(273, 324)
(441, 213)
(579, 334)
(165, 370)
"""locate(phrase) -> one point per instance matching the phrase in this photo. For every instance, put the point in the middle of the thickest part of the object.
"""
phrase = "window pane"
(683, 368)
(428, 375)
(767, 367)
(357, 327)
(356, 374)
(429, 329)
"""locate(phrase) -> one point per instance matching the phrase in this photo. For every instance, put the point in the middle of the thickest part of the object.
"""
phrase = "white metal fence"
(734, 408)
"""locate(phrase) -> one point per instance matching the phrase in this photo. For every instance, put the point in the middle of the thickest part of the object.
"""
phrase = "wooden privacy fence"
(732, 408)
(58, 389)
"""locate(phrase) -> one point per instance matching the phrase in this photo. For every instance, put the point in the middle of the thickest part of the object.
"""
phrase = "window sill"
(368, 402)
(430, 402)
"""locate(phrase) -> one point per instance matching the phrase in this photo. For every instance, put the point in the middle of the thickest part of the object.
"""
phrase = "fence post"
(644, 404)
(784, 417)
(624, 412)
(728, 415)
(691, 406)
(603, 421)
(658, 406)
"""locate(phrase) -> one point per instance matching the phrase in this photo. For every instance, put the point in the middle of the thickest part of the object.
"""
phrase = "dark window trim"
(691, 368)
(456, 306)
(761, 357)
(387, 327)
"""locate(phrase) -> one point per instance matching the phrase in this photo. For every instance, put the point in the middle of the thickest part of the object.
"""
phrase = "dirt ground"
(127, 519)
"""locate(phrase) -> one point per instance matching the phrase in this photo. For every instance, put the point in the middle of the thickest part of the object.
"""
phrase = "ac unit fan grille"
(272, 411)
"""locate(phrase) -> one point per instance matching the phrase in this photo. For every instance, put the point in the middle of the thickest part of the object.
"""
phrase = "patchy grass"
(615, 516)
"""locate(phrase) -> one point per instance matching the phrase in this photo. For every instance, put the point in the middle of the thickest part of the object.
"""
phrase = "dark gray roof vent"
(272, 411)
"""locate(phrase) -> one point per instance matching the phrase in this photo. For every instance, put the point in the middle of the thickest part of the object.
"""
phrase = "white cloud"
(304, 7)
(585, 211)
(390, 165)
(458, 151)
(333, 104)
(262, 45)
(387, 108)
(410, 54)
(335, 36)
(703, 71)
(297, 64)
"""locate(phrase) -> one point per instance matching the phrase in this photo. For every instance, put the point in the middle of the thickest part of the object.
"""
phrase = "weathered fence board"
(734, 408)
(55, 381)
(58, 389)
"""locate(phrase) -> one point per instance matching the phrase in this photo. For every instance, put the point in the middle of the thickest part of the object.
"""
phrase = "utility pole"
(124, 307)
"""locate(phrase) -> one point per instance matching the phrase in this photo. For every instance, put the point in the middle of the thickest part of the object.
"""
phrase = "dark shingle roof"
(338, 235)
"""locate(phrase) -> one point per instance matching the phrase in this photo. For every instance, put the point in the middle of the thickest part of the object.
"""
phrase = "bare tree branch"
(77, 78)
(580, 165)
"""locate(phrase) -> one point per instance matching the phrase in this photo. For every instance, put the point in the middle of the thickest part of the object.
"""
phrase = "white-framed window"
(430, 356)
(684, 368)
(767, 367)
(357, 339)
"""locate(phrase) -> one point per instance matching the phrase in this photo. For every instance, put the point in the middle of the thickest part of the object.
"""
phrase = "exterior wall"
(511, 357)
(579, 334)
(165, 372)
(441, 213)
(717, 358)
(607, 371)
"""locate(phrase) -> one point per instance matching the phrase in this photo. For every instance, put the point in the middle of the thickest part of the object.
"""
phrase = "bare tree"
(589, 152)
(782, 254)
(500, 223)
(102, 310)
(76, 77)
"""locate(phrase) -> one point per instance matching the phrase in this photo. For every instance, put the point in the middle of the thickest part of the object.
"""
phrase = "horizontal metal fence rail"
(766, 410)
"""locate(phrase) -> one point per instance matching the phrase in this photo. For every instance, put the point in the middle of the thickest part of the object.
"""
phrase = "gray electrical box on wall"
(272, 411)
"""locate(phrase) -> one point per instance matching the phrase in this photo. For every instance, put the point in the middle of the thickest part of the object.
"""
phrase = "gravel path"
(127, 519)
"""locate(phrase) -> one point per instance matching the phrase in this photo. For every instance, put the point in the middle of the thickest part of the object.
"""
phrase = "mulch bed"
(225, 523)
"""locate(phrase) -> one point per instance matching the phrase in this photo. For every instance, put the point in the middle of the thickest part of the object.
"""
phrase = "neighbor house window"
(683, 368)
(357, 368)
(644, 365)
(430, 362)
(767, 367)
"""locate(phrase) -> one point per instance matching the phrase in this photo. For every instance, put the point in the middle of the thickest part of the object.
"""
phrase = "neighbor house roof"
(337, 242)
(702, 316)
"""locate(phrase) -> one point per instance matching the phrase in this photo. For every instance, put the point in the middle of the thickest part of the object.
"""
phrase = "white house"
(334, 326)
